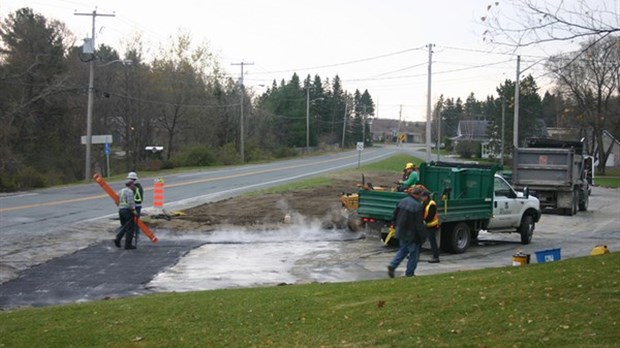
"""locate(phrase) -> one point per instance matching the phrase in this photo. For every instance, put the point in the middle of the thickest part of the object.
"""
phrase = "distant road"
(36, 213)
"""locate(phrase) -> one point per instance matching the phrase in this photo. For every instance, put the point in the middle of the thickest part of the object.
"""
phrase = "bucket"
(520, 259)
(599, 250)
(548, 255)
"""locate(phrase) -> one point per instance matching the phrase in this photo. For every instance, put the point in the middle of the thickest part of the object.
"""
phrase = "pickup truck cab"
(513, 210)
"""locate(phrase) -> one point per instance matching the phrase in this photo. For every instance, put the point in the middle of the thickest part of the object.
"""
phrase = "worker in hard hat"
(139, 191)
(410, 177)
(138, 197)
(126, 213)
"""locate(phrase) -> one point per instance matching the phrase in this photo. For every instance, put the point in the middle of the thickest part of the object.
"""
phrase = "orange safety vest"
(435, 221)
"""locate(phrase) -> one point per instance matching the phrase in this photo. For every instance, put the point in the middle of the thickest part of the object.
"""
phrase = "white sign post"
(360, 148)
(106, 140)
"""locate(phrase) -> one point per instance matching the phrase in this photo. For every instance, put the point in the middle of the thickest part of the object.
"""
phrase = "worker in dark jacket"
(431, 220)
(139, 191)
(410, 231)
(137, 197)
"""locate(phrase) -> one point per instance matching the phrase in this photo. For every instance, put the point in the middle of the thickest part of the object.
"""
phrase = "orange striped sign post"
(158, 193)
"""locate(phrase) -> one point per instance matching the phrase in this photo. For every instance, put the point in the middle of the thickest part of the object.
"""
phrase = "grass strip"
(568, 303)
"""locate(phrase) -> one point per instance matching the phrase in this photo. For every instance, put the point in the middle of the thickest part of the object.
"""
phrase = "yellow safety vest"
(137, 197)
(435, 221)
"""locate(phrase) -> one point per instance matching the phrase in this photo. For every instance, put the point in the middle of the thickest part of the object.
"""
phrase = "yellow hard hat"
(409, 165)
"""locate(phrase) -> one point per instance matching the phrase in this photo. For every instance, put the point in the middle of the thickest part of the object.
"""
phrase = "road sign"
(403, 137)
(98, 139)
(360, 146)
(106, 149)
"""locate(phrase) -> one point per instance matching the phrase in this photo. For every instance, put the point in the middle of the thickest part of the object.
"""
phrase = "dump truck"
(469, 197)
(556, 172)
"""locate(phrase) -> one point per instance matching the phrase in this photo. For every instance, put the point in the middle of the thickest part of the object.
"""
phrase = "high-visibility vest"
(435, 220)
(122, 198)
(137, 196)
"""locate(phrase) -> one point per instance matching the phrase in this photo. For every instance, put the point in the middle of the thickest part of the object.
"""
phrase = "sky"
(378, 45)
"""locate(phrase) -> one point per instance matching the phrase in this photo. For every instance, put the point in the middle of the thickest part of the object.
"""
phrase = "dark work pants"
(128, 226)
(432, 239)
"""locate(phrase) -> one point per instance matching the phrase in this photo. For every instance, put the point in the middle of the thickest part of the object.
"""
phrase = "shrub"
(31, 178)
(197, 156)
(283, 152)
(228, 154)
(468, 149)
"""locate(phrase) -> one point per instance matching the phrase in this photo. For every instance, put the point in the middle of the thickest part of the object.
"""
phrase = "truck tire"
(573, 209)
(583, 205)
(457, 239)
(526, 229)
(575, 202)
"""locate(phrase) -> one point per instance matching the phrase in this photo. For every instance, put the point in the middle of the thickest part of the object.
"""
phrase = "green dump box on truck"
(464, 194)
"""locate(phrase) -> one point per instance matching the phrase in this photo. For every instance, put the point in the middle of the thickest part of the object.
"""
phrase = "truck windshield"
(502, 188)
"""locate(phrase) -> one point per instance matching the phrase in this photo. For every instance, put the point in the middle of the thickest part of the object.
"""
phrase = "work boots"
(128, 240)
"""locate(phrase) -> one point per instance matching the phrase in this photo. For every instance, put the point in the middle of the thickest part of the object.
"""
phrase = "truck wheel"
(459, 238)
(526, 229)
(573, 209)
(583, 205)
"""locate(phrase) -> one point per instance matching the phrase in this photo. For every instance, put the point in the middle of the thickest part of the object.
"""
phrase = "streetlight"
(308, 101)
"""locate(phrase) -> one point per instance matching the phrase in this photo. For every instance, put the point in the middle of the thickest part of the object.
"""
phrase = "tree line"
(183, 101)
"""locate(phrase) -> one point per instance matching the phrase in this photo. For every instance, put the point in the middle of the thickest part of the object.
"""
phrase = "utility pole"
(364, 125)
(515, 125)
(91, 91)
(344, 123)
(400, 117)
(308, 118)
(438, 112)
(241, 121)
(428, 104)
(503, 127)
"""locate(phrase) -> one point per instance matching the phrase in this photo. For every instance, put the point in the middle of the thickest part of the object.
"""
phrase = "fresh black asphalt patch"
(98, 272)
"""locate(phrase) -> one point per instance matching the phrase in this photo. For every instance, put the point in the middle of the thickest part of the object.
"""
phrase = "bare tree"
(588, 76)
(591, 76)
(523, 23)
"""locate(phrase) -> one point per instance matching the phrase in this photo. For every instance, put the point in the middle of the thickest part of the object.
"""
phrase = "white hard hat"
(132, 175)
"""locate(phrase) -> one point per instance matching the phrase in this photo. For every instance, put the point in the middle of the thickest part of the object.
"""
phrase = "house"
(576, 134)
(476, 131)
(610, 142)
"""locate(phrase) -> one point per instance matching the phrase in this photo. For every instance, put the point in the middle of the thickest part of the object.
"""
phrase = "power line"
(344, 63)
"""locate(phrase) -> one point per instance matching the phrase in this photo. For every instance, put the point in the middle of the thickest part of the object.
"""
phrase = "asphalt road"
(47, 260)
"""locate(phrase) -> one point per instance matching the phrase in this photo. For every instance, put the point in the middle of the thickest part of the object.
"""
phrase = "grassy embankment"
(394, 164)
(568, 303)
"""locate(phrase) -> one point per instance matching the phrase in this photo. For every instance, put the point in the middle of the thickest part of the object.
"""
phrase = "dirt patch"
(313, 205)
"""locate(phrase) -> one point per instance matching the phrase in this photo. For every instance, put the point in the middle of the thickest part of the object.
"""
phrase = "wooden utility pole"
(91, 90)
(241, 121)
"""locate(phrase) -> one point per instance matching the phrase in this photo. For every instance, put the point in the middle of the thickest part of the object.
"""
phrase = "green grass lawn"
(568, 303)
(610, 179)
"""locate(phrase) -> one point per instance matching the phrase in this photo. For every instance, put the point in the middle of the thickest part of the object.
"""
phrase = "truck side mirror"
(526, 192)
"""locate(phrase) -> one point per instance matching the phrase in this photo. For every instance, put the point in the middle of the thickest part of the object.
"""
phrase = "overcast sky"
(377, 45)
